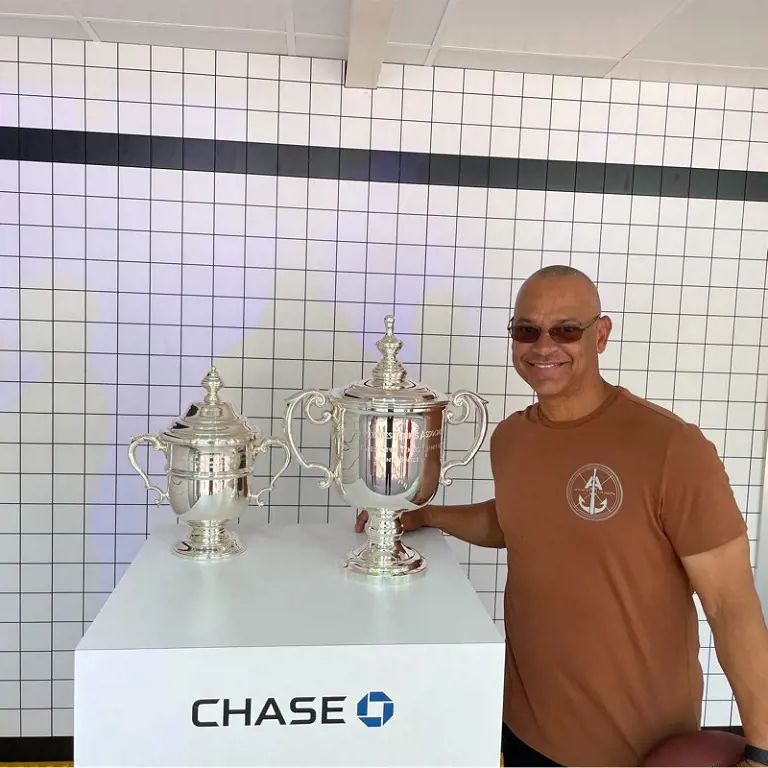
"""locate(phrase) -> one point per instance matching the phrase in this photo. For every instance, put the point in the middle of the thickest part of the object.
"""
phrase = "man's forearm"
(474, 523)
(741, 641)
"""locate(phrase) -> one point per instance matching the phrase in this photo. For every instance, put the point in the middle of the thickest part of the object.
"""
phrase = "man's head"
(558, 332)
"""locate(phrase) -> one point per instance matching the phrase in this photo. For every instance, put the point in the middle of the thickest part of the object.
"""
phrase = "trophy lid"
(211, 419)
(389, 384)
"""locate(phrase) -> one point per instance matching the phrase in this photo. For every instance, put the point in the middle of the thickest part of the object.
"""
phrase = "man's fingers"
(410, 521)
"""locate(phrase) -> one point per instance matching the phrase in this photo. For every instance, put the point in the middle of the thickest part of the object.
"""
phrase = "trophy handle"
(461, 399)
(318, 399)
(263, 447)
(158, 445)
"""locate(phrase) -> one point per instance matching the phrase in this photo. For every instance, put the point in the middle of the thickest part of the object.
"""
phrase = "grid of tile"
(123, 277)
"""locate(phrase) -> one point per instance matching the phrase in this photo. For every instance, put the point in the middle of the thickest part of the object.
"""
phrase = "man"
(612, 511)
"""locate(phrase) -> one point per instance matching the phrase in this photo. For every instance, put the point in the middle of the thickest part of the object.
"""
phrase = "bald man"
(613, 511)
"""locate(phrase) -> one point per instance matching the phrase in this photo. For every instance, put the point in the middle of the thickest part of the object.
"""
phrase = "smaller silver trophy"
(210, 459)
(387, 452)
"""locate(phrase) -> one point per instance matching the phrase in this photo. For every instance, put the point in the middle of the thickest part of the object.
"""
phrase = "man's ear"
(604, 327)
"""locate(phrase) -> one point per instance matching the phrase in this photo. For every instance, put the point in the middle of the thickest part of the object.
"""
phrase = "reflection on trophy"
(210, 456)
(387, 452)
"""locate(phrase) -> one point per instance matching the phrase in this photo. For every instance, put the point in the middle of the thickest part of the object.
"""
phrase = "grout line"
(86, 250)
(150, 249)
(626, 258)
(53, 443)
(21, 444)
(273, 246)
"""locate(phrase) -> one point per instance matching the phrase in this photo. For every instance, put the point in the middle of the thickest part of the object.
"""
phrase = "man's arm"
(723, 580)
(705, 526)
(474, 523)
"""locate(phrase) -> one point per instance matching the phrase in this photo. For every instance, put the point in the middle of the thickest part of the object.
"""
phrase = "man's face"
(558, 367)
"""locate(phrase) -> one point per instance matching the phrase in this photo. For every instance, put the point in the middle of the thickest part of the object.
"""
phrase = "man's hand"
(410, 520)
(476, 524)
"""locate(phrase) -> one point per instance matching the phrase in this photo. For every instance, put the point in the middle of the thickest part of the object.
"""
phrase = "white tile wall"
(119, 287)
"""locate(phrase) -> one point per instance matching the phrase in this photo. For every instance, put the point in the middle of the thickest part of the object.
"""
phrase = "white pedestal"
(267, 659)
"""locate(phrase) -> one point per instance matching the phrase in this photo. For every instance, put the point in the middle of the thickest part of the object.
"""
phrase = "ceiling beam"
(290, 31)
(83, 22)
(369, 24)
(676, 11)
(437, 40)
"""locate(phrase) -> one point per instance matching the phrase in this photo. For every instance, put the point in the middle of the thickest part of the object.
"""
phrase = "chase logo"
(375, 709)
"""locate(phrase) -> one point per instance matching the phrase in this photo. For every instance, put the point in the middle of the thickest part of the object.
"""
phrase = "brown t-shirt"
(602, 631)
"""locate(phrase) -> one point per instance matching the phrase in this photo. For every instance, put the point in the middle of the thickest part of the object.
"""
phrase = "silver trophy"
(387, 452)
(210, 455)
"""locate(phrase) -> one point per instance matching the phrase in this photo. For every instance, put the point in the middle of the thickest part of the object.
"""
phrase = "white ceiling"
(705, 41)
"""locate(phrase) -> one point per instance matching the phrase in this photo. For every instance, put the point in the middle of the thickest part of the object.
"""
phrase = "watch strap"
(756, 755)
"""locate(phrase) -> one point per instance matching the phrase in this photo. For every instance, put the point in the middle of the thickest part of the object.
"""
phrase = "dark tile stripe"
(43, 145)
(36, 749)
(60, 749)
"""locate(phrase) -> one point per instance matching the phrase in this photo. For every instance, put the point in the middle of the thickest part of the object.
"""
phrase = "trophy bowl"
(387, 452)
(210, 456)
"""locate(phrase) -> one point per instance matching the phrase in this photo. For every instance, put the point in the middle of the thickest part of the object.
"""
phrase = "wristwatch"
(756, 755)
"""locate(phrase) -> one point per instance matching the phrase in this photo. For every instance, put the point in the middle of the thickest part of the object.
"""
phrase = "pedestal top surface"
(287, 589)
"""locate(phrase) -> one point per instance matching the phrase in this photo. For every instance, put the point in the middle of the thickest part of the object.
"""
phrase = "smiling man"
(562, 372)
(613, 511)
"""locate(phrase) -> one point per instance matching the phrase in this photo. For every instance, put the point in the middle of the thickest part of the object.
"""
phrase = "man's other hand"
(410, 520)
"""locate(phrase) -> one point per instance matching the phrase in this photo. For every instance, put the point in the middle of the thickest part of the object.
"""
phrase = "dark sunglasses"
(560, 334)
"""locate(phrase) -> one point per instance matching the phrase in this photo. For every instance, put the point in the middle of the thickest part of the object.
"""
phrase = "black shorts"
(516, 752)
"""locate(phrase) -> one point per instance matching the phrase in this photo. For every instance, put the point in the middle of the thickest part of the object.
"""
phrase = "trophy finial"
(389, 372)
(212, 383)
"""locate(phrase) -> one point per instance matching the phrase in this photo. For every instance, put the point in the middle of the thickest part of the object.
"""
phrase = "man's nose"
(544, 344)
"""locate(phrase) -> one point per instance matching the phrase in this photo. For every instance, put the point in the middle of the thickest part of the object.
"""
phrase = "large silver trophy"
(210, 456)
(387, 452)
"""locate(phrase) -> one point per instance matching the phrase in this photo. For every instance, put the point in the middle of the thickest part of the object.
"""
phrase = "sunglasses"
(560, 334)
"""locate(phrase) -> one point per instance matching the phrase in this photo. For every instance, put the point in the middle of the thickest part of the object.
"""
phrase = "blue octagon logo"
(375, 709)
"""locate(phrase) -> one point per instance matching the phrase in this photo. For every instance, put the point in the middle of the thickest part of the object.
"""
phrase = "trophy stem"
(208, 540)
(384, 555)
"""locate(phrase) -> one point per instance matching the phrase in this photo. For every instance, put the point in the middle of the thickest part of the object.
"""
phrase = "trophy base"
(399, 563)
(208, 541)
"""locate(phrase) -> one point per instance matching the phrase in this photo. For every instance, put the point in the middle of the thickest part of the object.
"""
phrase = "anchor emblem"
(594, 486)
(594, 492)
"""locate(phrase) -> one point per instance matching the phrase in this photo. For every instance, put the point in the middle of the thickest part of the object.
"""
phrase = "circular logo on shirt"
(594, 492)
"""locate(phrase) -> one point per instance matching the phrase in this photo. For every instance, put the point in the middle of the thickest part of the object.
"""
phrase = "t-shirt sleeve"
(698, 508)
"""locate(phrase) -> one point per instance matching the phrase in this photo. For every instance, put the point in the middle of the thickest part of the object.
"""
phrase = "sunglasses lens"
(566, 334)
(525, 334)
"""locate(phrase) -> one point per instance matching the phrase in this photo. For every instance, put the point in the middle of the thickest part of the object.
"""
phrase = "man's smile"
(550, 365)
